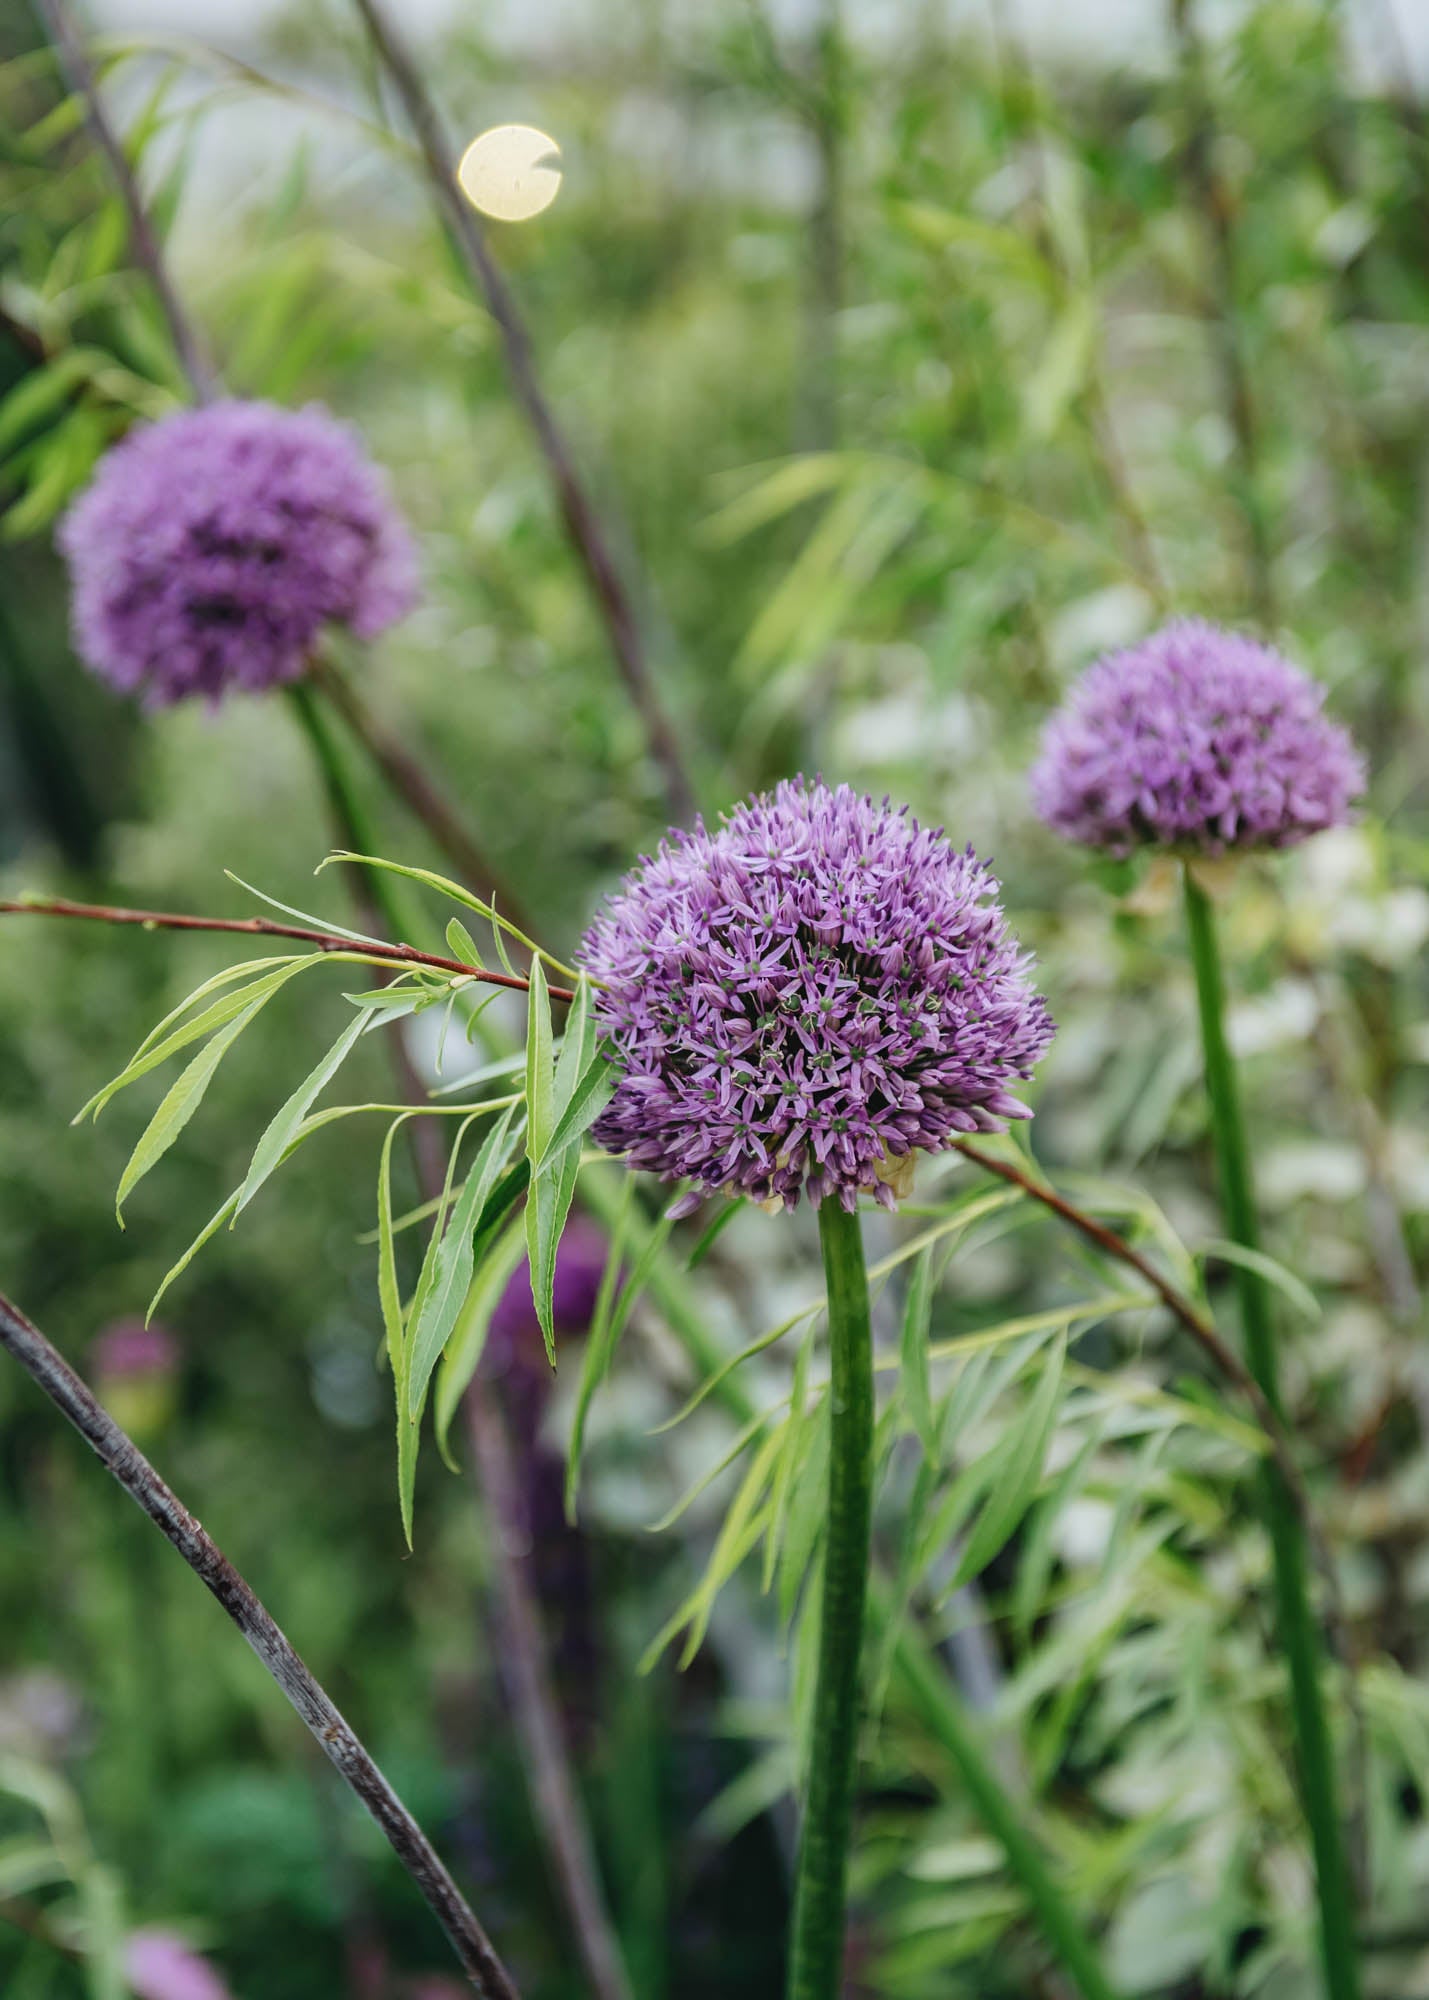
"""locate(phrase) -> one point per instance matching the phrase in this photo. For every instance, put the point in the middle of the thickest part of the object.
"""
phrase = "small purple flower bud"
(805, 997)
(159, 1966)
(1198, 740)
(212, 548)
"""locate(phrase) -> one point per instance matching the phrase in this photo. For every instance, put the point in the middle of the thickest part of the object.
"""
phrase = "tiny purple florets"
(211, 549)
(1198, 739)
(802, 998)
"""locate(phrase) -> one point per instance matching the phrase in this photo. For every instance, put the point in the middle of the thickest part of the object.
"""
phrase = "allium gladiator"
(1198, 740)
(803, 998)
(211, 550)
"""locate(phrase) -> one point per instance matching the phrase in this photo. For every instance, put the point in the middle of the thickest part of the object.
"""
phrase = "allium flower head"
(805, 996)
(1197, 739)
(212, 548)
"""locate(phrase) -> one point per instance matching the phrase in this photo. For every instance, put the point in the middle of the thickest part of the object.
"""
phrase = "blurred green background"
(914, 358)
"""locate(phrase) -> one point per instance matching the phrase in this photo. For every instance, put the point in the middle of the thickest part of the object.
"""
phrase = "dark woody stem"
(1294, 1612)
(816, 1943)
(116, 1450)
(583, 527)
(143, 242)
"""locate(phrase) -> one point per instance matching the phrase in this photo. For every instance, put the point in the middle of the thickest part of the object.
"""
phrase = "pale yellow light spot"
(509, 172)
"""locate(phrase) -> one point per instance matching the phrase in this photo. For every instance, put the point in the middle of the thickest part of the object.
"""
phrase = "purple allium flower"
(802, 998)
(212, 548)
(1198, 739)
(160, 1966)
(127, 1348)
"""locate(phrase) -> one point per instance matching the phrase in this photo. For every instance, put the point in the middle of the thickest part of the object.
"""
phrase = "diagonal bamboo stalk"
(588, 539)
(334, 1736)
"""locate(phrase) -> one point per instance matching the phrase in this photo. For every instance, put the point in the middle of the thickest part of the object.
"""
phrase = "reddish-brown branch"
(173, 920)
(583, 526)
(335, 1737)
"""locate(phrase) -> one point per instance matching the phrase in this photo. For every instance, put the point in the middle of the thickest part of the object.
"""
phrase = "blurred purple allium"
(211, 549)
(806, 996)
(127, 1347)
(1197, 739)
(160, 1966)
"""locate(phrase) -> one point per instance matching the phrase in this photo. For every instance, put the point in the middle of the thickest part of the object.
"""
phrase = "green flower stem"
(948, 1723)
(816, 1944)
(350, 816)
(919, 1672)
(1299, 1633)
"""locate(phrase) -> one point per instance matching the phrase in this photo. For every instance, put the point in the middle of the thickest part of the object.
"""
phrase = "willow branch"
(173, 920)
(143, 242)
(607, 586)
(122, 1457)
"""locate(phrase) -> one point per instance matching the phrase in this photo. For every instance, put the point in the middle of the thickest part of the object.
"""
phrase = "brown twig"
(410, 779)
(608, 587)
(173, 920)
(118, 1452)
(534, 1706)
(143, 242)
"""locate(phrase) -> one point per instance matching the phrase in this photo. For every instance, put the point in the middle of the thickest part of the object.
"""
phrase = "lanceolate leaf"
(1021, 1471)
(273, 1146)
(452, 1271)
(540, 1068)
(594, 1089)
(183, 1098)
(461, 1357)
(167, 1039)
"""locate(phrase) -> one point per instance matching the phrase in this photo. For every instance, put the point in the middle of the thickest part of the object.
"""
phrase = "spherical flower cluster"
(803, 998)
(212, 548)
(1199, 740)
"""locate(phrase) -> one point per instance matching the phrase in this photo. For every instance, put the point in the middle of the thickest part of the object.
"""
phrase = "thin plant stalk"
(555, 1797)
(1299, 1633)
(78, 73)
(584, 530)
(334, 1736)
(816, 1943)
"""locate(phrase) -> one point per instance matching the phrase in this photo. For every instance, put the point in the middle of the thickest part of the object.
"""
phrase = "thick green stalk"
(919, 1672)
(1299, 1634)
(816, 1943)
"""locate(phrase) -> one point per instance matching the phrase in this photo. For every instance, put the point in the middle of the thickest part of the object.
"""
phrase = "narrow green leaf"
(452, 1271)
(461, 1357)
(205, 1235)
(1270, 1268)
(158, 1047)
(462, 944)
(273, 1145)
(594, 1089)
(180, 1103)
(540, 1068)
(1022, 1473)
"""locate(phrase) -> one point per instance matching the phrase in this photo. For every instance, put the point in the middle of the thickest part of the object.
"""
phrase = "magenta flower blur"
(803, 998)
(211, 549)
(1198, 739)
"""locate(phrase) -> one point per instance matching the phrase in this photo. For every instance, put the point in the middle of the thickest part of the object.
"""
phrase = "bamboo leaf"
(1021, 1473)
(913, 1364)
(461, 1357)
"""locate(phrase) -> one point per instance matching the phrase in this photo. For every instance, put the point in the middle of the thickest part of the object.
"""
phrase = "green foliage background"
(895, 452)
